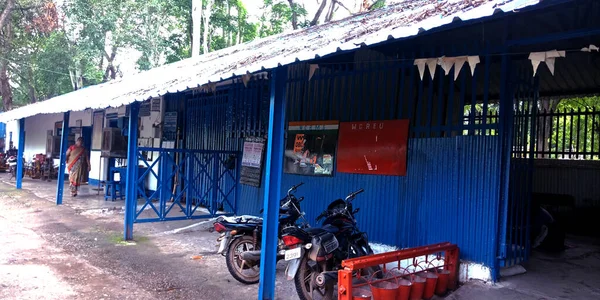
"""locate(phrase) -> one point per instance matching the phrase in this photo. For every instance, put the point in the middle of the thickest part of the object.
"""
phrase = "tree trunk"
(544, 132)
(32, 96)
(6, 13)
(196, 26)
(207, 13)
(315, 20)
(330, 12)
(5, 88)
(240, 25)
(111, 71)
(294, 14)
(228, 37)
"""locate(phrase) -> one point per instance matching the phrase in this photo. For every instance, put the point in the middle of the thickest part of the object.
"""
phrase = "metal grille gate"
(190, 184)
(525, 94)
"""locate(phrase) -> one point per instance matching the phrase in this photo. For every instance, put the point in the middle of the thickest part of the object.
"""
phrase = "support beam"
(506, 136)
(274, 171)
(132, 168)
(20, 153)
(60, 181)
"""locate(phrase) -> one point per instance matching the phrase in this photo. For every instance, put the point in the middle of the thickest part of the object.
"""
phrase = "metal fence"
(192, 184)
(568, 134)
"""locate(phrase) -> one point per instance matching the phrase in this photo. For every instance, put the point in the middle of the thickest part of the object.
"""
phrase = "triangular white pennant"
(311, 71)
(590, 48)
(536, 58)
(246, 79)
(420, 63)
(550, 61)
(213, 87)
(473, 61)
(447, 63)
(459, 62)
(431, 64)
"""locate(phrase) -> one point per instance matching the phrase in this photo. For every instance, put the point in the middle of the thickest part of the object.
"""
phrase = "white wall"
(12, 126)
(36, 130)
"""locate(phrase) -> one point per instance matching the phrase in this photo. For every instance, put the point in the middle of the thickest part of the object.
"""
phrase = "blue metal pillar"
(60, 181)
(506, 135)
(132, 168)
(20, 154)
(274, 171)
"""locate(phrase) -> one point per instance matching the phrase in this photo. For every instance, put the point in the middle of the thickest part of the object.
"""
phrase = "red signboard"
(374, 147)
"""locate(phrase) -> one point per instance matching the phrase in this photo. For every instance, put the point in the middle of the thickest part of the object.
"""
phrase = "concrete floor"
(85, 234)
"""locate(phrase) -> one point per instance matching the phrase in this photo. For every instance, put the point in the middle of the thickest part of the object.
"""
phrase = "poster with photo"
(310, 148)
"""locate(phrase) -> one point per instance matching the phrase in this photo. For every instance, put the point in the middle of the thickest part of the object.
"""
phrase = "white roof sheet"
(395, 21)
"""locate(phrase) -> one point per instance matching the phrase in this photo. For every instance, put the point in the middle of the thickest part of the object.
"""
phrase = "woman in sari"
(78, 165)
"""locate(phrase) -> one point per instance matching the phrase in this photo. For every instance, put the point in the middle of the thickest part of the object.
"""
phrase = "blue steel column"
(506, 132)
(60, 181)
(132, 167)
(20, 154)
(274, 170)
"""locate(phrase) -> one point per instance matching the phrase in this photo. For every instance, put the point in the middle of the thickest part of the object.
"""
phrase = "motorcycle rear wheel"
(237, 266)
(305, 277)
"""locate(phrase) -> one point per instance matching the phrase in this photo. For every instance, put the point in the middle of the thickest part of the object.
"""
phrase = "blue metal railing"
(184, 184)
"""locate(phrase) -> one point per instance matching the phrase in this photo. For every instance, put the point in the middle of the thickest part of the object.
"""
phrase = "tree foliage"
(47, 50)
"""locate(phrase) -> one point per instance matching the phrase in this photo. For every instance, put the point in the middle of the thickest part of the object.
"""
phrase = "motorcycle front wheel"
(305, 281)
(237, 267)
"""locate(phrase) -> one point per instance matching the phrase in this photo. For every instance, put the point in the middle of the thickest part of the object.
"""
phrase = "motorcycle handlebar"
(293, 188)
(353, 194)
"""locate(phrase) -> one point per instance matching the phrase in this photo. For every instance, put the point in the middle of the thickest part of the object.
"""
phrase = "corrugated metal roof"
(392, 22)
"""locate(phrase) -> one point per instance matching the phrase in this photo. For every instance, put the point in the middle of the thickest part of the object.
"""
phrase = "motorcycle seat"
(322, 230)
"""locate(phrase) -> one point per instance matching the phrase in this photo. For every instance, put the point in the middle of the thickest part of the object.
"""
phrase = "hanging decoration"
(446, 63)
(551, 57)
(590, 48)
(420, 63)
(548, 57)
(246, 79)
(311, 71)
(432, 63)
(473, 61)
(459, 62)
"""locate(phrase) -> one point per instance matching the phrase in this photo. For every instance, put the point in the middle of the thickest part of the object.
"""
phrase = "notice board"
(252, 161)
(373, 147)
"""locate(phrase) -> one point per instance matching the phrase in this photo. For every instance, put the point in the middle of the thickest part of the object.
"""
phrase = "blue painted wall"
(451, 191)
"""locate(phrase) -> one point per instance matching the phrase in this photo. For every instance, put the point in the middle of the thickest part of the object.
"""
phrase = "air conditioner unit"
(53, 144)
(114, 144)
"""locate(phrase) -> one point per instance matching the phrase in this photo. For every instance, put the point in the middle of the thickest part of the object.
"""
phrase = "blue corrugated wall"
(451, 191)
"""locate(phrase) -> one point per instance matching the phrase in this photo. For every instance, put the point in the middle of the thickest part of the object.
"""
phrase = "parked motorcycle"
(315, 254)
(241, 238)
(12, 167)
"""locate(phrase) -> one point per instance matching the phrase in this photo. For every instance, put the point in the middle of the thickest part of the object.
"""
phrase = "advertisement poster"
(252, 158)
(374, 147)
(310, 148)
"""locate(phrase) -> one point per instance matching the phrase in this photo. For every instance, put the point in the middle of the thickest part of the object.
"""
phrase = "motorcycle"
(315, 254)
(12, 167)
(241, 237)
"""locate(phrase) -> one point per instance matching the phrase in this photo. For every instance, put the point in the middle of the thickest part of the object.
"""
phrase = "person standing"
(78, 165)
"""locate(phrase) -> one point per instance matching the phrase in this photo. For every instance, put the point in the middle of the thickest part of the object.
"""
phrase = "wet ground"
(76, 251)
